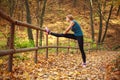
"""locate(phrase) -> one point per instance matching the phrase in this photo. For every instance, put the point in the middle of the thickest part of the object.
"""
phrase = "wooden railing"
(12, 50)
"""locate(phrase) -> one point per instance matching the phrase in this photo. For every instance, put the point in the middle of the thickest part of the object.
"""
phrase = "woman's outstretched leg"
(71, 36)
(57, 35)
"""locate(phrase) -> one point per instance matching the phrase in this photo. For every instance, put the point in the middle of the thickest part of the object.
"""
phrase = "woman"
(78, 35)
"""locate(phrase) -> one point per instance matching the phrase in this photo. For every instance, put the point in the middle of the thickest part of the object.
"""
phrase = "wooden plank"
(68, 46)
(6, 17)
(46, 47)
(14, 51)
(6, 52)
(36, 51)
(28, 25)
(19, 23)
(12, 32)
(76, 45)
(57, 46)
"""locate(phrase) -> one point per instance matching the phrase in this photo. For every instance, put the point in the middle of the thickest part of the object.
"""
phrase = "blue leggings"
(78, 38)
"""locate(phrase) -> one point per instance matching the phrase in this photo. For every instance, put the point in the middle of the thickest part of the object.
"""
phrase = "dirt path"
(62, 67)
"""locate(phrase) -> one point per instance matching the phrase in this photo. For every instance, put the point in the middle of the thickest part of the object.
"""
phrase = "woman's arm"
(69, 27)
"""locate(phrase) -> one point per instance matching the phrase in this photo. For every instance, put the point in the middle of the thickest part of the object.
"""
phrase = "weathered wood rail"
(13, 51)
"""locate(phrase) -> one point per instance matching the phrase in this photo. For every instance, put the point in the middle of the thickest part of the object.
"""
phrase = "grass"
(24, 43)
(2, 42)
(2, 45)
(21, 57)
(89, 40)
(20, 43)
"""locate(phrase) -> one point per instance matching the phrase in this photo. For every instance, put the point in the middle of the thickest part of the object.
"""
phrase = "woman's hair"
(70, 17)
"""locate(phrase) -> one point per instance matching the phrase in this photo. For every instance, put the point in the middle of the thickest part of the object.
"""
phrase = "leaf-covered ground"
(100, 66)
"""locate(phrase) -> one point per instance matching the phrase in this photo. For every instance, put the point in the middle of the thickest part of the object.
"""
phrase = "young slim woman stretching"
(78, 35)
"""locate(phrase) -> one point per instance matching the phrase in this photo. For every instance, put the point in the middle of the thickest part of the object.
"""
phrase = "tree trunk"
(60, 3)
(38, 12)
(91, 21)
(118, 11)
(84, 6)
(104, 7)
(11, 6)
(28, 17)
(11, 10)
(74, 3)
(41, 20)
(107, 22)
(100, 25)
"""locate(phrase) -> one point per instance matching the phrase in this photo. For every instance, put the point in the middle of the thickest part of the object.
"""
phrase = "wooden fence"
(12, 50)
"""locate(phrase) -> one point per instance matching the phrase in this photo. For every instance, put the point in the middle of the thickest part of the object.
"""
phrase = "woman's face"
(67, 19)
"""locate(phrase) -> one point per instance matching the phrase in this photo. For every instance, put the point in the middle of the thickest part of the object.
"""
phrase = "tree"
(28, 17)
(60, 3)
(11, 6)
(107, 22)
(74, 3)
(91, 20)
(84, 8)
(42, 19)
(100, 18)
(40, 11)
(104, 6)
(118, 11)
(11, 10)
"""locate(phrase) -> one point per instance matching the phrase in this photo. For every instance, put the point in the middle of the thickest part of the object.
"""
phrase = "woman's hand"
(64, 33)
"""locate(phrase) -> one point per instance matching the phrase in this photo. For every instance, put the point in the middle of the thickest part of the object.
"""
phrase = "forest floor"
(101, 65)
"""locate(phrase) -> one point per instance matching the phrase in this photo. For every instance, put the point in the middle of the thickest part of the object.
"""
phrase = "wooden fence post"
(46, 46)
(68, 46)
(76, 46)
(57, 46)
(12, 32)
(36, 51)
(90, 48)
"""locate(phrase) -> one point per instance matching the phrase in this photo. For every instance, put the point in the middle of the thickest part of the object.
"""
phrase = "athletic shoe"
(84, 65)
(47, 30)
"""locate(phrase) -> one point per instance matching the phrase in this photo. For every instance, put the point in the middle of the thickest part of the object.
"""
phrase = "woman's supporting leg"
(79, 39)
(81, 46)
(71, 36)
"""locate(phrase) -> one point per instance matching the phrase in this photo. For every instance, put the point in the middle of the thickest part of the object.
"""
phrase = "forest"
(28, 52)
